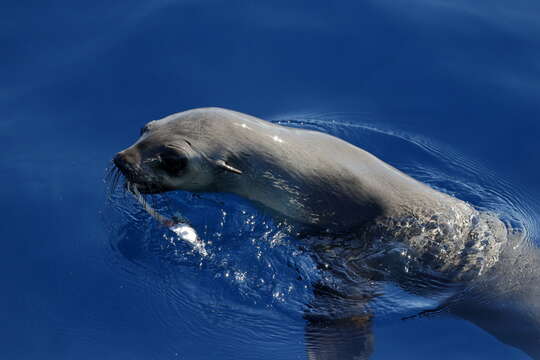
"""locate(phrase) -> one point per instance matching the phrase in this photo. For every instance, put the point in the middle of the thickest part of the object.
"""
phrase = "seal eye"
(172, 163)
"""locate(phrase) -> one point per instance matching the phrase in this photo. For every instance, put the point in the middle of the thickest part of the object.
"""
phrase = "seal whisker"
(116, 179)
(128, 186)
(109, 171)
(113, 179)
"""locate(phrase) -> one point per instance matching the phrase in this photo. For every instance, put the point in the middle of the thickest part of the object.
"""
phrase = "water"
(445, 91)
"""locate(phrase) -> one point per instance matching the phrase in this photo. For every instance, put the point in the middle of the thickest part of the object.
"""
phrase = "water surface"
(445, 91)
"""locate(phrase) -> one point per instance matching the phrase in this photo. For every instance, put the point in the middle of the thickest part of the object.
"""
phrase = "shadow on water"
(255, 273)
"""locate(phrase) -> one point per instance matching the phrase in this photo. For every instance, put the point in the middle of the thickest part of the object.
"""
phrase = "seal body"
(313, 179)
(322, 182)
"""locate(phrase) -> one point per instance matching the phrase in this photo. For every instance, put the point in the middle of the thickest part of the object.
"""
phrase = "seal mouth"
(116, 177)
(143, 187)
(134, 177)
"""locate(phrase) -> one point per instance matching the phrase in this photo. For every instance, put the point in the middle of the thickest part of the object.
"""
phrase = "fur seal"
(319, 181)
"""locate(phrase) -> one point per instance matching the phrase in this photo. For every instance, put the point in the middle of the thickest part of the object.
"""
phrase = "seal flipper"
(338, 326)
(346, 338)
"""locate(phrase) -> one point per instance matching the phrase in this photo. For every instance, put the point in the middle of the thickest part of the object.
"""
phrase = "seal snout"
(121, 163)
(126, 162)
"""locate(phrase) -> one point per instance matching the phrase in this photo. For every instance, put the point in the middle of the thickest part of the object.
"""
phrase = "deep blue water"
(447, 91)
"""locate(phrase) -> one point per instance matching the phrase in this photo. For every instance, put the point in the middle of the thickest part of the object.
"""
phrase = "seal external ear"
(223, 165)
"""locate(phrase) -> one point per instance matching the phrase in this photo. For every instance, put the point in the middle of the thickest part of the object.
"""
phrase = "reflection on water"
(251, 271)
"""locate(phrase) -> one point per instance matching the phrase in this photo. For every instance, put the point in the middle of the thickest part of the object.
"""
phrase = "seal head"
(164, 159)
